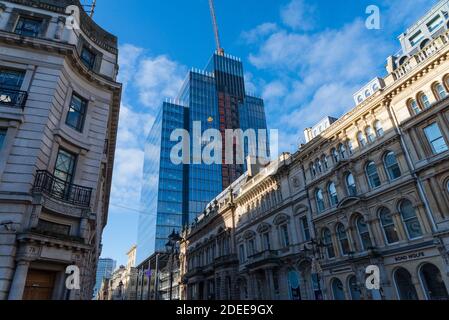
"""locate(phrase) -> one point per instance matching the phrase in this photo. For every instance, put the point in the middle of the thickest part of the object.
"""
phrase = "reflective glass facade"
(174, 195)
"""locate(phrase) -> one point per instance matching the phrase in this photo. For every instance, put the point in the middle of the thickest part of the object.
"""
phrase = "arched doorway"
(433, 283)
(294, 285)
(404, 285)
(338, 290)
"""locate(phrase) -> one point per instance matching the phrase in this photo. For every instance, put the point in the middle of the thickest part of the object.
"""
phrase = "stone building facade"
(59, 108)
(370, 190)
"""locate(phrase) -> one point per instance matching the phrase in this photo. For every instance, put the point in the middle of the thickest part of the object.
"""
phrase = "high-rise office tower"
(174, 194)
(105, 268)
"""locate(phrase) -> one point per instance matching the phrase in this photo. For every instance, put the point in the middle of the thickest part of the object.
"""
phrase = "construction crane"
(91, 7)
(220, 50)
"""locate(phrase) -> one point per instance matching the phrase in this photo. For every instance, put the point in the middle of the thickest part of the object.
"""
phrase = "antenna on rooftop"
(220, 50)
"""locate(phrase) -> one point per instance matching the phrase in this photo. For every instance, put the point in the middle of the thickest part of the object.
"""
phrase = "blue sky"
(305, 58)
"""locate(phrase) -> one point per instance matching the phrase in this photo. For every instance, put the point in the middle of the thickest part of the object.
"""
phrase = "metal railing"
(59, 189)
(12, 98)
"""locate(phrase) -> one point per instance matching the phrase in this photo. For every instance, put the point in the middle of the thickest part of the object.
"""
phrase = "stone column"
(270, 284)
(19, 280)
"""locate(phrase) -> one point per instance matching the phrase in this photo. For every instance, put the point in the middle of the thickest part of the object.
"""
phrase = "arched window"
(333, 196)
(342, 151)
(424, 101)
(414, 107)
(433, 282)
(362, 228)
(390, 232)
(404, 285)
(328, 244)
(319, 166)
(351, 185)
(337, 290)
(372, 175)
(370, 135)
(440, 91)
(325, 162)
(410, 220)
(392, 166)
(375, 87)
(343, 239)
(312, 169)
(367, 93)
(319, 200)
(335, 155)
(379, 129)
(356, 293)
(361, 138)
(350, 146)
(360, 99)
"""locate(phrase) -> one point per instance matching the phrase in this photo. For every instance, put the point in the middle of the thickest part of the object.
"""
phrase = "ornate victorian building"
(59, 107)
(370, 190)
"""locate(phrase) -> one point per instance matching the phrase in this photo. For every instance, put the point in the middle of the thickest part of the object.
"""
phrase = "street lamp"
(170, 247)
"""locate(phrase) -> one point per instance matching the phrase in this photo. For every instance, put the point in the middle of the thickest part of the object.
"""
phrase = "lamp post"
(171, 248)
(316, 268)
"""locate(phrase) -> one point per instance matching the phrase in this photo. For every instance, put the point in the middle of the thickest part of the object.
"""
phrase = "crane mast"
(220, 50)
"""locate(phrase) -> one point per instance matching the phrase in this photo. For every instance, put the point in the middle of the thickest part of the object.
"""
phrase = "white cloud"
(158, 78)
(258, 32)
(298, 15)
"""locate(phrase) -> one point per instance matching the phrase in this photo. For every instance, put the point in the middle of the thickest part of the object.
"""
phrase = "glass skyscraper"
(174, 194)
(105, 269)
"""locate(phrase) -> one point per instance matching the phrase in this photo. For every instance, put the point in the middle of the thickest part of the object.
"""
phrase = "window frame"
(328, 246)
(410, 220)
(284, 234)
(382, 212)
(390, 167)
(321, 208)
(348, 186)
(81, 114)
(363, 245)
(333, 196)
(88, 64)
(431, 142)
(342, 236)
(28, 18)
(305, 228)
(3, 135)
(370, 176)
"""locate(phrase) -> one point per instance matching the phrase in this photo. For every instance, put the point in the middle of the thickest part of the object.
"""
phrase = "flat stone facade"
(46, 223)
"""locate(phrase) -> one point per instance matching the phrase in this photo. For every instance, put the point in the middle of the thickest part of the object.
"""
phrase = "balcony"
(226, 260)
(58, 189)
(12, 98)
(430, 50)
(264, 258)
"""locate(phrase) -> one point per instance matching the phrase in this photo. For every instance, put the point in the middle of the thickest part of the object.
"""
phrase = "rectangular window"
(251, 247)
(435, 23)
(416, 38)
(65, 166)
(266, 241)
(435, 138)
(11, 79)
(28, 27)
(242, 253)
(2, 137)
(53, 228)
(305, 228)
(285, 239)
(88, 58)
(77, 113)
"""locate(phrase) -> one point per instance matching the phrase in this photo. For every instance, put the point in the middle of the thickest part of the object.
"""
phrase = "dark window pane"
(404, 284)
(28, 27)
(11, 79)
(77, 112)
(2, 137)
(88, 58)
(433, 283)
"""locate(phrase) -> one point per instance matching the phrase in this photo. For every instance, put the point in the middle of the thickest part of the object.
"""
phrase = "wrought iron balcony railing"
(61, 190)
(12, 98)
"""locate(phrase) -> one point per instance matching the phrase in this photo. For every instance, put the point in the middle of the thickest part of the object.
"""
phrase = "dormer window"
(435, 23)
(416, 38)
(88, 58)
(28, 27)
